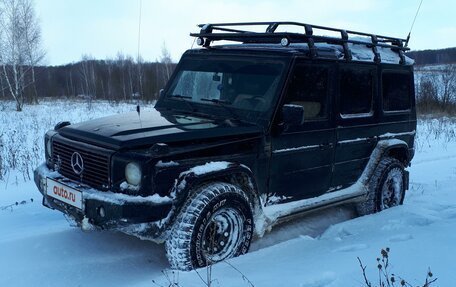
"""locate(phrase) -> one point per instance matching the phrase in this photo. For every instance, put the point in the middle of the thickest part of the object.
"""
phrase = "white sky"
(102, 28)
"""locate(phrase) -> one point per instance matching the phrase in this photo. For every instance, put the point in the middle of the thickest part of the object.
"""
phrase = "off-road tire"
(208, 208)
(382, 173)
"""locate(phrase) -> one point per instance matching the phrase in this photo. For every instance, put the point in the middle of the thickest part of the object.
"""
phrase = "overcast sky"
(102, 28)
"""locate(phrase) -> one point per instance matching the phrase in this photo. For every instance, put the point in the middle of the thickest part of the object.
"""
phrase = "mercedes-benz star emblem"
(77, 163)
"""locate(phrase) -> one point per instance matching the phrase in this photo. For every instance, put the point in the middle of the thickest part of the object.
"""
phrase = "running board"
(280, 213)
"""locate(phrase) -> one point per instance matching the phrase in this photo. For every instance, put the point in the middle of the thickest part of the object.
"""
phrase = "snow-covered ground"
(39, 248)
(21, 134)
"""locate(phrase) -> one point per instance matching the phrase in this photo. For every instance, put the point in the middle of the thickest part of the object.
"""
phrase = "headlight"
(133, 173)
(49, 148)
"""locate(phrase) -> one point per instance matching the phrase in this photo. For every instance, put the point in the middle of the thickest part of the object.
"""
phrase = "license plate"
(64, 193)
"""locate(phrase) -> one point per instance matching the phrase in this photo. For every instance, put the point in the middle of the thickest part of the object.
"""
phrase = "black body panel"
(133, 131)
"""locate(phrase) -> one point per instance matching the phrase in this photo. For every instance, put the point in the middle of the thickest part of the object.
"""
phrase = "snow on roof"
(360, 52)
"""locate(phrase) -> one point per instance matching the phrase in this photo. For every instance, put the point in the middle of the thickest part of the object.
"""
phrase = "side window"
(356, 90)
(309, 89)
(396, 91)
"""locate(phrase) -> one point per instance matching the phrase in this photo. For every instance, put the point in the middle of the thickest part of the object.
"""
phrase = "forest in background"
(121, 79)
(434, 57)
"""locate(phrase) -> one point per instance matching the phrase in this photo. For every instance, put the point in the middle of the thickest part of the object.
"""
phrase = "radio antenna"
(138, 107)
(413, 23)
(139, 28)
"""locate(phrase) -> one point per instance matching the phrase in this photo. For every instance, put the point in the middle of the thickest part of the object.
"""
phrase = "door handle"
(371, 139)
(326, 145)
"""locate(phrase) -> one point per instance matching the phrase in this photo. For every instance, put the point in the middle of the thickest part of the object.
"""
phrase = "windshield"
(245, 87)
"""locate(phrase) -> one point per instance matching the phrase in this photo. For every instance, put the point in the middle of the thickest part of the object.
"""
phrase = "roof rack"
(229, 32)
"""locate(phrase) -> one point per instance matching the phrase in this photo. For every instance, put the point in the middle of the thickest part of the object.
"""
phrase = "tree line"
(120, 79)
(434, 57)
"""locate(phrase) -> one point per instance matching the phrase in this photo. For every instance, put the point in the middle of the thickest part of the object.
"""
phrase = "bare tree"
(167, 62)
(131, 70)
(448, 85)
(34, 52)
(87, 72)
(122, 63)
(428, 99)
(139, 63)
(20, 47)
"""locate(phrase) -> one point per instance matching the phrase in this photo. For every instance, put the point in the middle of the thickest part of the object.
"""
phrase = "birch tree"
(88, 77)
(34, 53)
(167, 62)
(20, 49)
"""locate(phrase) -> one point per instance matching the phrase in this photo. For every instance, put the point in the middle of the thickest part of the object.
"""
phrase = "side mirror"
(161, 92)
(293, 115)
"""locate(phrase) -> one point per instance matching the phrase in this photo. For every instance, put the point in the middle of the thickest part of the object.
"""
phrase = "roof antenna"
(138, 107)
(413, 23)
(139, 26)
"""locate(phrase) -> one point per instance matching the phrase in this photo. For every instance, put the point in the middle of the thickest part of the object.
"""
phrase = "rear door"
(357, 122)
(302, 155)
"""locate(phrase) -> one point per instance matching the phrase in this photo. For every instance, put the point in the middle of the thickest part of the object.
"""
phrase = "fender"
(222, 170)
(229, 171)
(383, 148)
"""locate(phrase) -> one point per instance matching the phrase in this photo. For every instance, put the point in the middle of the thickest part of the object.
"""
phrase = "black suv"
(243, 136)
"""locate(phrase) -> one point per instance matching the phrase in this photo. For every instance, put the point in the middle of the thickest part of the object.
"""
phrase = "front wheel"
(216, 223)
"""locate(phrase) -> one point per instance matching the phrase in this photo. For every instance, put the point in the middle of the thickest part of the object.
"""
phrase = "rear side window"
(396, 91)
(356, 89)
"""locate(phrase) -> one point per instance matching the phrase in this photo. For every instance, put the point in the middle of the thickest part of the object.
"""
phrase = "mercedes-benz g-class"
(242, 137)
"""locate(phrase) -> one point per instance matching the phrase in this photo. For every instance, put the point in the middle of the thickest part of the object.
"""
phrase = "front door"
(302, 154)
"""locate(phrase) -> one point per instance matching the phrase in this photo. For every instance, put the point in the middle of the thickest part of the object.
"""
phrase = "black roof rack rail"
(231, 32)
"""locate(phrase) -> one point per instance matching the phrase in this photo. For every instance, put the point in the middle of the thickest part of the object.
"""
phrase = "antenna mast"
(413, 23)
(139, 27)
(138, 59)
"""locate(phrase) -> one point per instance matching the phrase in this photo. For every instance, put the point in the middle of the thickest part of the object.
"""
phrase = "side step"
(280, 213)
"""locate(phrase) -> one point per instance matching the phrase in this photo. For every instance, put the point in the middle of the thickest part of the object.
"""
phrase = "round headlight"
(133, 173)
(49, 148)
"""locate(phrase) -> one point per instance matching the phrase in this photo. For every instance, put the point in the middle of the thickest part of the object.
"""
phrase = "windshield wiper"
(223, 103)
(217, 101)
(182, 99)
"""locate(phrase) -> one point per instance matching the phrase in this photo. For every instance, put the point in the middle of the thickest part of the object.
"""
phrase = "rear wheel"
(216, 223)
(386, 188)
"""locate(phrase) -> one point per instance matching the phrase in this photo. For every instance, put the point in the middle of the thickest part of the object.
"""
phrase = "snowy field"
(39, 248)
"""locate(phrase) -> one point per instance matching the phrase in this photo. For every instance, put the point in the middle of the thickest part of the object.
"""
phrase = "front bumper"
(119, 210)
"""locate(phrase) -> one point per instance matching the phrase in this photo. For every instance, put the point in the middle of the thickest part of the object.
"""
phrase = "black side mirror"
(293, 115)
(161, 92)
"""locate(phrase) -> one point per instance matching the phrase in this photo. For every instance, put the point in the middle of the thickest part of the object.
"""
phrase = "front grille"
(96, 164)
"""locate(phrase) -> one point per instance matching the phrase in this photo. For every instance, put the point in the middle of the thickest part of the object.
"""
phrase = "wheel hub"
(222, 235)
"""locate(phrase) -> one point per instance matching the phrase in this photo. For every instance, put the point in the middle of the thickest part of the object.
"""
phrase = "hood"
(130, 130)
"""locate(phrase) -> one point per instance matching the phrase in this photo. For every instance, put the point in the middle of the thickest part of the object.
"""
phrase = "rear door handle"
(326, 145)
